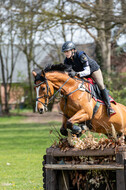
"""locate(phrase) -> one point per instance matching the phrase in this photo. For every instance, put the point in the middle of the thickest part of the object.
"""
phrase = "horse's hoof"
(64, 132)
(76, 130)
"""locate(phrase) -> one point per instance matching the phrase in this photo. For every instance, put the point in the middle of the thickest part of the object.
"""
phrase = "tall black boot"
(106, 100)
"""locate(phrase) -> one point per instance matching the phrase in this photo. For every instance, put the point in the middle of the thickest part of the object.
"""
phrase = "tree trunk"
(106, 54)
(30, 84)
(4, 83)
(104, 37)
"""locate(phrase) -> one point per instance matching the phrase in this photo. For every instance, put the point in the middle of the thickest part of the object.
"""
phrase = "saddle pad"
(93, 88)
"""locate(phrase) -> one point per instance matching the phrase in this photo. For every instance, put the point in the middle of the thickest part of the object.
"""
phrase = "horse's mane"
(56, 67)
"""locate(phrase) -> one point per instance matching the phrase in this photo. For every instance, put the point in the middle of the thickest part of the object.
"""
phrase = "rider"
(83, 66)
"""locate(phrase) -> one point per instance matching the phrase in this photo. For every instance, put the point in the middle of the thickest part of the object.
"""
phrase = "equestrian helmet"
(68, 46)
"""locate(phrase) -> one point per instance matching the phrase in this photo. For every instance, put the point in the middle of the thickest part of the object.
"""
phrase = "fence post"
(120, 177)
(125, 172)
(51, 180)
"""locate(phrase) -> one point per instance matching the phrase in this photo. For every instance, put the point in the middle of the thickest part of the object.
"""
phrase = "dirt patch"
(43, 118)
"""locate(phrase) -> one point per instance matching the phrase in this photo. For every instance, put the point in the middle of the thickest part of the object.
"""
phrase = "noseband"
(46, 96)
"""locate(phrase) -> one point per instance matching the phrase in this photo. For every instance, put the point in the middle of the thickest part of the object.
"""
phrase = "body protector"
(82, 64)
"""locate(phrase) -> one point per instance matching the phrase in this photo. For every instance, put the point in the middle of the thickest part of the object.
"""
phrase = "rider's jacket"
(82, 64)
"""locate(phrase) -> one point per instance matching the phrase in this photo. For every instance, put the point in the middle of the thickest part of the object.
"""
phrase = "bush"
(115, 83)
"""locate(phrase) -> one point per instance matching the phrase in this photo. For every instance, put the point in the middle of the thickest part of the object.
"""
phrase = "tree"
(20, 21)
(98, 18)
(29, 35)
(7, 56)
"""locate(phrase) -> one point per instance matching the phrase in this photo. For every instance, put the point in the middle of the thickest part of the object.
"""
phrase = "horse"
(77, 103)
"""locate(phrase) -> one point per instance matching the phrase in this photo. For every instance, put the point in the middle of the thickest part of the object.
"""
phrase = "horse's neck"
(58, 79)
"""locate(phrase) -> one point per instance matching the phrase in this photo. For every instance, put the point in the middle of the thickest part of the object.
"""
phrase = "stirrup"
(110, 111)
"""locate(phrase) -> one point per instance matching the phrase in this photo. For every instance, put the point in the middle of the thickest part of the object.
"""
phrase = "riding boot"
(106, 100)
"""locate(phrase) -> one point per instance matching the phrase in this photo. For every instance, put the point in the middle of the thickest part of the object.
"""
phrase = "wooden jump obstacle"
(55, 170)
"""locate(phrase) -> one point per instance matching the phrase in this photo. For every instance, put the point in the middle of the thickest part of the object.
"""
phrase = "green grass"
(22, 147)
(18, 111)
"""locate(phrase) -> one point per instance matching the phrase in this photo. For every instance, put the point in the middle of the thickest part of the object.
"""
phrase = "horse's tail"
(114, 134)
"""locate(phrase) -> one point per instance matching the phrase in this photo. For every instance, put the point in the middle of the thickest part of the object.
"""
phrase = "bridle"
(49, 98)
(46, 96)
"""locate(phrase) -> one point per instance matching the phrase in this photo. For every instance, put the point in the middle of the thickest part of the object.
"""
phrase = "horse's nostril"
(40, 110)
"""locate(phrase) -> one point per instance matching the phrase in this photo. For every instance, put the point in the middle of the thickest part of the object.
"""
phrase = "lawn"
(22, 147)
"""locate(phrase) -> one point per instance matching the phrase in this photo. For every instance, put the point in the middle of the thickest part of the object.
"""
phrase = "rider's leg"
(106, 99)
(97, 76)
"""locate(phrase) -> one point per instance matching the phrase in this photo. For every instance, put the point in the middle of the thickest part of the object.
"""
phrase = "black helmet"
(68, 46)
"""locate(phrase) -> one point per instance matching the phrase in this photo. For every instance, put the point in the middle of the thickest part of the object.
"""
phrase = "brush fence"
(57, 165)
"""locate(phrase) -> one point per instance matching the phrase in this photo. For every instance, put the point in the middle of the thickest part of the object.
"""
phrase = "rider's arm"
(85, 72)
(86, 67)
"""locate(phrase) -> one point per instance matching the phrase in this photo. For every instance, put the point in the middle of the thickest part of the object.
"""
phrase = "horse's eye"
(43, 88)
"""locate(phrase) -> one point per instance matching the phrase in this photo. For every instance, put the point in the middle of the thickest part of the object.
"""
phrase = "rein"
(59, 90)
(54, 95)
(86, 88)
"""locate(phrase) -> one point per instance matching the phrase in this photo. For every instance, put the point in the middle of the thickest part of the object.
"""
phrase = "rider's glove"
(72, 73)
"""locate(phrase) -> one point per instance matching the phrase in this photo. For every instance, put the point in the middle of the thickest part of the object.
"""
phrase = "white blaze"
(37, 92)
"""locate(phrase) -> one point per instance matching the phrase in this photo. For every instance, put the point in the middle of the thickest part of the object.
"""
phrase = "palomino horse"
(76, 103)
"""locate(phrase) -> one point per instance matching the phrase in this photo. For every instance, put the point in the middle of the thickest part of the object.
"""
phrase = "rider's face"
(68, 53)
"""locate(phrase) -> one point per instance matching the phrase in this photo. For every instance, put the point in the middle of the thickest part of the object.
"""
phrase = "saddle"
(96, 93)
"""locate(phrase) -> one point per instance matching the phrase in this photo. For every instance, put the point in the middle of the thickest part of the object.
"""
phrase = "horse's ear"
(34, 73)
(42, 73)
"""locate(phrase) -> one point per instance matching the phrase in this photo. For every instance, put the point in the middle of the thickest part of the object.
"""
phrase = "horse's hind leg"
(122, 138)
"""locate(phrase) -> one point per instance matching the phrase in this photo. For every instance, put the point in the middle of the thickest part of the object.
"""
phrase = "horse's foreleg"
(80, 117)
(63, 129)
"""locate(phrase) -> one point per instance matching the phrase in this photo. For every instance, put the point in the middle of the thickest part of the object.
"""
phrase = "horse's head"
(44, 90)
